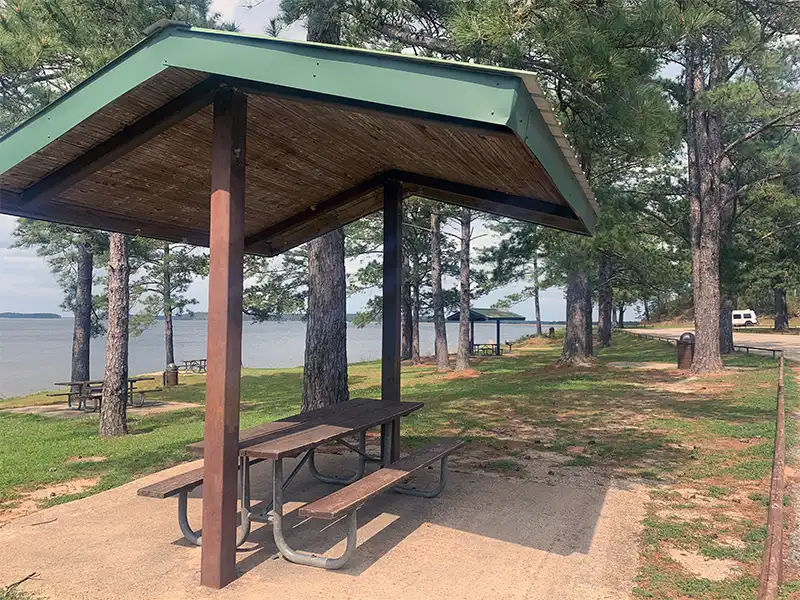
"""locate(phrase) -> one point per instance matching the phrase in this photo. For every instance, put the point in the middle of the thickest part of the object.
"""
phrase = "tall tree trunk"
(575, 351)
(587, 320)
(726, 325)
(325, 374)
(462, 357)
(439, 325)
(82, 331)
(704, 143)
(646, 310)
(605, 304)
(781, 310)
(406, 318)
(728, 266)
(415, 356)
(113, 411)
(621, 317)
(536, 307)
(169, 337)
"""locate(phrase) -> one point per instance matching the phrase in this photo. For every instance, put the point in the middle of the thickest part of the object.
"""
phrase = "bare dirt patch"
(643, 366)
(713, 569)
(685, 514)
(694, 385)
(466, 374)
(30, 502)
(62, 411)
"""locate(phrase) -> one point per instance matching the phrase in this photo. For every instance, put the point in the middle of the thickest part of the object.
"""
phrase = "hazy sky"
(28, 286)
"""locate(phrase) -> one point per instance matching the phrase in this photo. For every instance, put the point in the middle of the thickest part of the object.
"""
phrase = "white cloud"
(255, 19)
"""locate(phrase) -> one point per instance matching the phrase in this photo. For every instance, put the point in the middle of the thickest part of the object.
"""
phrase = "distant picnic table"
(195, 365)
(84, 391)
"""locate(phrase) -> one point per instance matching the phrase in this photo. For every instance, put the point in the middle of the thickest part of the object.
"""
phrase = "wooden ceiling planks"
(300, 153)
(111, 119)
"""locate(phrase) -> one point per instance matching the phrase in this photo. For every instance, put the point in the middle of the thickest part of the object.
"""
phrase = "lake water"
(34, 353)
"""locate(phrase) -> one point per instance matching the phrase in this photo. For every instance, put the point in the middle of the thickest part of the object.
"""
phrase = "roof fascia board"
(118, 77)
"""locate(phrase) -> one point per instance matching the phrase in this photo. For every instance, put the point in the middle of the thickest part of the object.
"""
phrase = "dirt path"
(487, 536)
(790, 344)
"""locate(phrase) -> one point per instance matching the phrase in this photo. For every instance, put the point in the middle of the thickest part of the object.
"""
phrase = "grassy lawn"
(701, 446)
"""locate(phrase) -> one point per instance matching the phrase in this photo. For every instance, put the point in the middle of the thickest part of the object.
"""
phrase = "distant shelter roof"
(488, 314)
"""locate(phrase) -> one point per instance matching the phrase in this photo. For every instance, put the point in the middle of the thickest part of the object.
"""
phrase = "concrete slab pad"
(62, 411)
(484, 537)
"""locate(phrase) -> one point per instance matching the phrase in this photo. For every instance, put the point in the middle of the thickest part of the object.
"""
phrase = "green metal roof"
(396, 85)
(488, 314)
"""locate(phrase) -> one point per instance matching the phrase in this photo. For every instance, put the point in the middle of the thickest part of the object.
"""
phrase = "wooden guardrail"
(772, 565)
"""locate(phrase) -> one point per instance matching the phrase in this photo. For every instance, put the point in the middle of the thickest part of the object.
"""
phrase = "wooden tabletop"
(293, 435)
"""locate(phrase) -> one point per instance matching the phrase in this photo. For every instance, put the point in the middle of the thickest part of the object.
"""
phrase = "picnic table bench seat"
(141, 394)
(172, 486)
(350, 498)
(181, 485)
(346, 501)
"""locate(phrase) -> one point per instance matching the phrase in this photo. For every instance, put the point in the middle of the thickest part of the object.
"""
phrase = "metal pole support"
(304, 558)
(242, 532)
(409, 491)
(362, 465)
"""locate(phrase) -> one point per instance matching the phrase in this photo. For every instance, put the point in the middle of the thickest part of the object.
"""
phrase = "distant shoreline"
(14, 315)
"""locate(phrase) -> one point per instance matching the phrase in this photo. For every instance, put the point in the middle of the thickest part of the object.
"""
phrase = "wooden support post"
(218, 563)
(392, 285)
(497, 351)
(471, 336)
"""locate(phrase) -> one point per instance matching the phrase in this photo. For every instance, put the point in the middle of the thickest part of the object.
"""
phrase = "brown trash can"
(685, 350)
(171, 376)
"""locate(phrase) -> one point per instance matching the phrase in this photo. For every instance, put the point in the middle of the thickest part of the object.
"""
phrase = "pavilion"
(482, 315)
(249, 144)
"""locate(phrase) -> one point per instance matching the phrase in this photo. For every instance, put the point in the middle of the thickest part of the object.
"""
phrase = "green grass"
(572, 404)
(716, 438)
(502, 465)
(15, 594)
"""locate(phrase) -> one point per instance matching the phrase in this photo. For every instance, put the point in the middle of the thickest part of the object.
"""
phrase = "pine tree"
(597, 61)
(164, 273)
(725, 51)
(70, 253)
(113, 411)
(325, 373)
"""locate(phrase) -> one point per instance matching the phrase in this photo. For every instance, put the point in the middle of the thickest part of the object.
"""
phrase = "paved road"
(790, 344)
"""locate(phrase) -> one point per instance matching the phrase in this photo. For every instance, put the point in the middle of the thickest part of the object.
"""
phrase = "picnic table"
(92, 390)
(195, 365)
(486, 349)
(299, 436)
